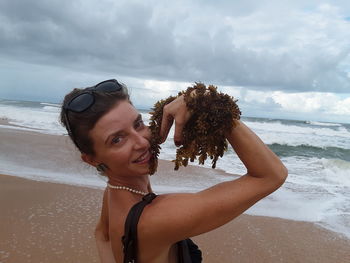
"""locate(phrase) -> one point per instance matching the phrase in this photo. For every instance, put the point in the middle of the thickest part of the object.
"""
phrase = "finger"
(179, 125)
(167, 122)
(167, 128)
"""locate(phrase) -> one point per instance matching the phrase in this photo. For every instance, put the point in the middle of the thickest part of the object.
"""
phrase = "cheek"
(119, 158)
(147, 133)
(125, 155)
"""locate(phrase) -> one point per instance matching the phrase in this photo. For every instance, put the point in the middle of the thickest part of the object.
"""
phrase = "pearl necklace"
(120, 187)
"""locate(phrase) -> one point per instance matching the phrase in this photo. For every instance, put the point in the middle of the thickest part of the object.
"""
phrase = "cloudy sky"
(281, 59)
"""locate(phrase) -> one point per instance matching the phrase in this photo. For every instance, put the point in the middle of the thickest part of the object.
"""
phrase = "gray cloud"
(247, 44)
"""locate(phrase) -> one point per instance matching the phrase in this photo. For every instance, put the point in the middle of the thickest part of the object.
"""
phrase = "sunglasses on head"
(86, 99)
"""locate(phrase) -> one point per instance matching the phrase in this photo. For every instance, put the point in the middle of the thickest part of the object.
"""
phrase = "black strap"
(189, 252)
(183, 253)
(129, 239)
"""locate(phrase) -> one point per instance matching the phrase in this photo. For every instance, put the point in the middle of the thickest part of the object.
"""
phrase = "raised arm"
(259, 160)
(265, 174)
(192, 214)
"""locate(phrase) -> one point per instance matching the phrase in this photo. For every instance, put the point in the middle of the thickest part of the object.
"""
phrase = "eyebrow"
(138, 118)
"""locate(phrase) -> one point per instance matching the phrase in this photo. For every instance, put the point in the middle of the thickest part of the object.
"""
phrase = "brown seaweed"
(203, 136)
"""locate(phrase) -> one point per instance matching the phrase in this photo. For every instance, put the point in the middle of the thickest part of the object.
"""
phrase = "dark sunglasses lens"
(81, 102)
(109, 85)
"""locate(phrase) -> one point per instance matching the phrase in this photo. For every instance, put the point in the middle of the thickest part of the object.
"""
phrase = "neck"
(139, 183)
(125, 188)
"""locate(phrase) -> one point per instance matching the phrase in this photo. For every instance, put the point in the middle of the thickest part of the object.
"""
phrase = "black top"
(188, 252)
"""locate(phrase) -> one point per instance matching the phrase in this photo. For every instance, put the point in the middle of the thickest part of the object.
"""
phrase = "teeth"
(142, 157)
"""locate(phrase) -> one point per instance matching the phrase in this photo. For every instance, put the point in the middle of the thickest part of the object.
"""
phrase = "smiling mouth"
(144, 158)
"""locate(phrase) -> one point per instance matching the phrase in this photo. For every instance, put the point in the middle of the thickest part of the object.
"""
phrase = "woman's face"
(121, 141)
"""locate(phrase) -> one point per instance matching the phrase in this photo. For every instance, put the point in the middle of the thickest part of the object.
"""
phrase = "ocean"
(317, 155)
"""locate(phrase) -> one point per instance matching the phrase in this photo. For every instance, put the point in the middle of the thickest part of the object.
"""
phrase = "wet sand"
(49, 222)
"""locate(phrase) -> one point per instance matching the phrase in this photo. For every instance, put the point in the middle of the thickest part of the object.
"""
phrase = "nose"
(141, 140)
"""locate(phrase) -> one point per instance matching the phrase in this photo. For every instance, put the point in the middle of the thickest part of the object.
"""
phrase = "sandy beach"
(49, 222)
(54, 222)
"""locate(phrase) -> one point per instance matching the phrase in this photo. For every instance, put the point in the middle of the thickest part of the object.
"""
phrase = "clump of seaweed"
(203, 136)
(155, 124)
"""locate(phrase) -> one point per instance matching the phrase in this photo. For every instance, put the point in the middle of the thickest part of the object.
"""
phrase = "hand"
(175, 110)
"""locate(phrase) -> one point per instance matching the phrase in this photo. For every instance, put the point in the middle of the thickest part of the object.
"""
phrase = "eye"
(116, 140)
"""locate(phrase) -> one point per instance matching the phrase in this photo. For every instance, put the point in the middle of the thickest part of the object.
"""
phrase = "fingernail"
(177, 143)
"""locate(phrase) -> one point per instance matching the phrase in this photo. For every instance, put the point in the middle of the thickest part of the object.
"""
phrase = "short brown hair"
(83, 122)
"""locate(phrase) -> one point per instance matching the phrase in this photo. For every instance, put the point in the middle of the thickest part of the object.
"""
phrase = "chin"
(139, 171)
(145, 172)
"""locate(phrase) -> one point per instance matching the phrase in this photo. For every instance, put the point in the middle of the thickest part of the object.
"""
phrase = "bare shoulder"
(173, 217)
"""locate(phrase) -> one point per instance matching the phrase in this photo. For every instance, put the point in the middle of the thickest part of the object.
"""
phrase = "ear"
(89, 159)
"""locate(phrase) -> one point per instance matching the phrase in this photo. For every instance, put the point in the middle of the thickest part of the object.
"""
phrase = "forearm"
(259, 160)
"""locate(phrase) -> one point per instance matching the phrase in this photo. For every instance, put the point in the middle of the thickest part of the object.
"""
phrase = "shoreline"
(48, 216)
(51, 222)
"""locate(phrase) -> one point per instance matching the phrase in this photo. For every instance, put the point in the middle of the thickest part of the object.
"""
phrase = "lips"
(144, 158)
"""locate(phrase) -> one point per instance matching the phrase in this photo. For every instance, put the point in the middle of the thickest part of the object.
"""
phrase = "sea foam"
(317, 188)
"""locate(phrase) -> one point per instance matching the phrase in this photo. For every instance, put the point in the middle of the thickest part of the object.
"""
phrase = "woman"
(111, 136)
